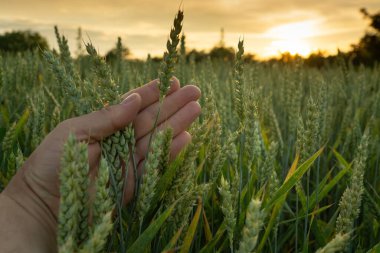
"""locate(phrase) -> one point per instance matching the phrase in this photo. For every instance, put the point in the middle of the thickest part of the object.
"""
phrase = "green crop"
(284, 158)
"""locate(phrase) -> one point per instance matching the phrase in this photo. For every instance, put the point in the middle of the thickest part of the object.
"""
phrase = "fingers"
(179, 142)
(171, 104)
(97, 125)
(180, 121)
(150, 92)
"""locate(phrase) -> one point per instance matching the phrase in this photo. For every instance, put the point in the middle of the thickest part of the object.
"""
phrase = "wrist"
(28, 214)
(19, 232)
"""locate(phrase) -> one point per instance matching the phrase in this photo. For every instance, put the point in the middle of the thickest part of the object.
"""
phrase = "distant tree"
(367, 51)
(222, 53)
(156, 59)
(19, 41)
(248, 57)
(316, 59)
(287, 57)
(375, 19)
(197, 56)
(118, 53)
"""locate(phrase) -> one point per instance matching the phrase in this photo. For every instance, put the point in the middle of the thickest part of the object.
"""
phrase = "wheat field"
(284, 157)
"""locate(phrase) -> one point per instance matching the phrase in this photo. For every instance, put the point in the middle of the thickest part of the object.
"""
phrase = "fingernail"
(129, 99)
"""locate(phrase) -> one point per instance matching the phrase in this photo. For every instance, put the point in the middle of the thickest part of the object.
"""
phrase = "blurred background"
(272, 29)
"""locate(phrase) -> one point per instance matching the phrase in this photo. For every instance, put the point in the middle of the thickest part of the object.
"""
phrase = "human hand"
(35, 188)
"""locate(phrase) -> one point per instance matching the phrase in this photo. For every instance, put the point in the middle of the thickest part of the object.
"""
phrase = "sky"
(269, 27)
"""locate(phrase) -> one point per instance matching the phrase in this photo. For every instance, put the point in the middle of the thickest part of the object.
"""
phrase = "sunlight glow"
(292, 46)
(292, 38)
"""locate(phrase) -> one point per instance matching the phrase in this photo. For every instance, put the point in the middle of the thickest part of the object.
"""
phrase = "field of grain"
(284, 158)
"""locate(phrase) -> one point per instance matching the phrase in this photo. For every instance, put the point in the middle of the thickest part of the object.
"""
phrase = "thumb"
(100, 124)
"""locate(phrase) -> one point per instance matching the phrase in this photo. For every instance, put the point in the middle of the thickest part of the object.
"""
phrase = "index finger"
(150, 93)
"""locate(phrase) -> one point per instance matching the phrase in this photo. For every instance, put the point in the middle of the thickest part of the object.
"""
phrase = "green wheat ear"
(166, 146)
(104, 81)
(73, 210)
(238, 75)
(150, 176)
(98, 237)
(102, 203)
(9, 138)
(65, 54)
(351, 200)
(170, 57)
(228, 209)
(183, 181)
(68, 246)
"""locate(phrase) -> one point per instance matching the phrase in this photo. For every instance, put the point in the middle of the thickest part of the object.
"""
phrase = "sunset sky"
(268, 26)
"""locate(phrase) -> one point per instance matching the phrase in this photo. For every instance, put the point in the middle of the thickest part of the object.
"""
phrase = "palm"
(178, 111)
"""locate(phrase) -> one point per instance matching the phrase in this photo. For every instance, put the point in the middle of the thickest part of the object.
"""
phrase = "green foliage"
(222, 53)
(367, 50)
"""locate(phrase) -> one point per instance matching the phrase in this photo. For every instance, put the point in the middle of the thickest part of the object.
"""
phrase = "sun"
(292, 38)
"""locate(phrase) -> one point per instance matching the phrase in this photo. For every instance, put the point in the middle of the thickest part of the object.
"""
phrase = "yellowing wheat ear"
(337, 244)
(253, 223)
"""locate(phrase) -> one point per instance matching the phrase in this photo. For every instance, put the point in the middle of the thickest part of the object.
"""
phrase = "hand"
(35, 188)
